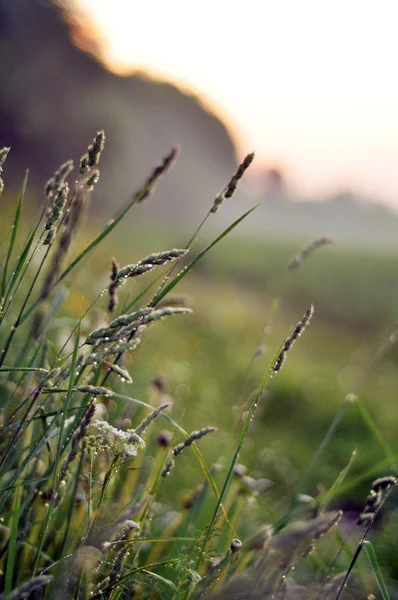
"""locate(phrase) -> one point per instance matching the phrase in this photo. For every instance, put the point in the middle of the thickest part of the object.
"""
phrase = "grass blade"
(371, 554)
(21, 262)
(23, 370)
(14, 232)
(338, 482)
(13, 543)
(59, 448)
(162, 292)
(369, 422)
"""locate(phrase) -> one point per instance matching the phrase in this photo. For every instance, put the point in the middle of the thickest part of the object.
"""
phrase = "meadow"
(114, 483)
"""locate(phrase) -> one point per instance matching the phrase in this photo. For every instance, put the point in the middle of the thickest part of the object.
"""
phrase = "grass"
(218, 478)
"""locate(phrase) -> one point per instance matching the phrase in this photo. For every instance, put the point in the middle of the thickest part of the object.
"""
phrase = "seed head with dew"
(57, 212)
(193, 437)
(298, 330)
(93, 180)
(52, 186)
(232, 186)
(124, 444)
(147, 264)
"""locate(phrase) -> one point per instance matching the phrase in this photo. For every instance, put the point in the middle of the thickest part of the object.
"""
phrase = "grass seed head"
(93, 179)
(158, 172)
(232, 186)
(95, 149)
(146, 422)
(298, 330)
(3, 155)
(307, 251)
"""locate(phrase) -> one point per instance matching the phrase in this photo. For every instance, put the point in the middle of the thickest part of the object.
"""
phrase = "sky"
(310, 85)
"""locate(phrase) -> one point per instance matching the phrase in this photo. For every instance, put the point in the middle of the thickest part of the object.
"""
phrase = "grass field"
(80, 510)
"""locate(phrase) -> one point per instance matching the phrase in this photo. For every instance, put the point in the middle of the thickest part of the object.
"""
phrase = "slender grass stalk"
(13, 542)
(167, 289)
(363, 541)
(58, 452)
(14, 232)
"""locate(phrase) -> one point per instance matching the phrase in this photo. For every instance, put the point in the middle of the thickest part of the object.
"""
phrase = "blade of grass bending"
(156, 540)
(365, 475)
(245, 428)
(12, 544)
(22, 483)
(59, 448)
(167, 582)
(182, 274)
(14, 232)
(369, 422)
(93, 244)
(370, 553)
(342, 475)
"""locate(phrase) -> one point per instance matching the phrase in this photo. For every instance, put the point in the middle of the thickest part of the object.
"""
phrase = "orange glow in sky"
(311, 86)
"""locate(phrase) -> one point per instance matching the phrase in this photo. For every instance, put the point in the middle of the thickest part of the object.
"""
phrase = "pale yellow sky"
(311, 85)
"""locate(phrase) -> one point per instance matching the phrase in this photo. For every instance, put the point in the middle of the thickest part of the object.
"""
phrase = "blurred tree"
(55, 96)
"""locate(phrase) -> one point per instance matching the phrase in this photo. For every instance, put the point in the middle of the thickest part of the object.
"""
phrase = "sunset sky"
(311, 86)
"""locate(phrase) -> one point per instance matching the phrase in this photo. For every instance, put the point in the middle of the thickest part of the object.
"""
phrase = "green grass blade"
(21, 262)
(59, 448)
(162, 292)
(341, 477)
(167, 582)
(245, 428)
(373, 428)
(370, 553)
(23, 370)
(13, 544)
(14, 231)
(134, 302)
(67, 400)
(126, 576)
(375, 470)
(161, 540)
